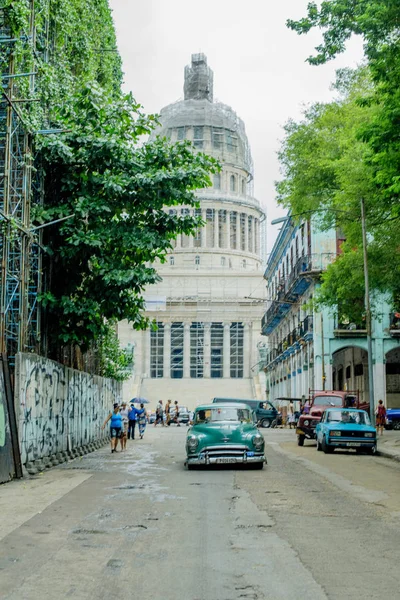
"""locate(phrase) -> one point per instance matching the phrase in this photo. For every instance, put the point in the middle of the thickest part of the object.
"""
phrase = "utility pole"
(368, 316)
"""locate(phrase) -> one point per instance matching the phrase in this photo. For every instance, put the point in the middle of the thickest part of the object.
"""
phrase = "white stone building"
(209, 304)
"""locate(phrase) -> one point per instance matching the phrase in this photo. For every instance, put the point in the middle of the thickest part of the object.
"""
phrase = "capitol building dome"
(209, 304)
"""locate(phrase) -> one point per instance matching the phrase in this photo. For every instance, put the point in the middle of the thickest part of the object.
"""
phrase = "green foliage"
(117, 191)
(364, 159)
(115, 362)
(99, 170)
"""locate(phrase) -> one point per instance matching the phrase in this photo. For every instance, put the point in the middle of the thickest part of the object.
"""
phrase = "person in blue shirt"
(132, 416)
(115, 419)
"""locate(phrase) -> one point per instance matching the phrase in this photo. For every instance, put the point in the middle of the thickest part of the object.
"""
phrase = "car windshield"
(348, 416)
(223, 414)
(328, 401)
(183, 409)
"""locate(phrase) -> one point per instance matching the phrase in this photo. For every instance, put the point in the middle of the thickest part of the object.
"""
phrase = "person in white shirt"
(124, 411)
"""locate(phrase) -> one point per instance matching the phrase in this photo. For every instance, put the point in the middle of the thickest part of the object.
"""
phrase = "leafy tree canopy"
(326, 169)
(117, 190)
(370, 121)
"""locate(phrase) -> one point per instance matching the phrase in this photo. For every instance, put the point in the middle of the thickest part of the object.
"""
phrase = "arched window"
(233, 183)
(197, 260)
(223, 261)
(217, 181)
(172, 260)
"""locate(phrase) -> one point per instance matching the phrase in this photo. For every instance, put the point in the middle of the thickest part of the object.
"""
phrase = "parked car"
(265, 411)
(393, 418)
(319, 401)
(345, 428)
(184, 415)
(224, 433)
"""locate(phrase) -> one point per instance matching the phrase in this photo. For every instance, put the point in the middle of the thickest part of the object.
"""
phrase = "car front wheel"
(396, 425)
(318, 446)
(325, 447)
(265, 423)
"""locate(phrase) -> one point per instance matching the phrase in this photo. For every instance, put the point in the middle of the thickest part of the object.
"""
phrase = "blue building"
(310, 349)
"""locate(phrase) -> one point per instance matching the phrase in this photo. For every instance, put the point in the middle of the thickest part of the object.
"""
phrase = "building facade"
(309, 349)
(208, 324)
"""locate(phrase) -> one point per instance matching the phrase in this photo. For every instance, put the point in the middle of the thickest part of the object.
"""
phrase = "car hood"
(349, 427)
(224, 433)
(393, 412)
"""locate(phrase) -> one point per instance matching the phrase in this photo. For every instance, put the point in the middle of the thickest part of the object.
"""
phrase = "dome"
(213, 127)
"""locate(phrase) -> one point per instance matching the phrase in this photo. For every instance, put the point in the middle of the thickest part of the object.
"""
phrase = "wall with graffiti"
(59, 409)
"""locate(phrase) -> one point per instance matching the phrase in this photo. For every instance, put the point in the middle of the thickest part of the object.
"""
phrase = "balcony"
(300, 334)
(293, 286)
(395, 324)
(346, 329)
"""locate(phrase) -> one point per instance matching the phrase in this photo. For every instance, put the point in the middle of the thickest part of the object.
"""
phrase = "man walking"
(132, 422)
(159, 414)
(168, 412)
(176, 414)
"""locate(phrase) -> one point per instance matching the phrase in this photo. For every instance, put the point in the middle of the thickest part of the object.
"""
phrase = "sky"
(259, 67)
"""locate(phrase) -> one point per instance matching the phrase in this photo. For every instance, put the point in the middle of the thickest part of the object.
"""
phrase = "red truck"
(319, 401)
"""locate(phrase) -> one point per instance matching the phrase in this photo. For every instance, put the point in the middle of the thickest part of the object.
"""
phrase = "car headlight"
(306, 422)
(192, 443)
(335, 433)
(369, 434)
(258, 441)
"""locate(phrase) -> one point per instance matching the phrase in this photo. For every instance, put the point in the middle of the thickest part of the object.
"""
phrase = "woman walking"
(115, 419)
(380, 417)
(142, 420)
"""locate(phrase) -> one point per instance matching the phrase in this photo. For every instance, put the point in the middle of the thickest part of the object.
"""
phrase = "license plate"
(225, 460)
(250, 453)
(353, 444)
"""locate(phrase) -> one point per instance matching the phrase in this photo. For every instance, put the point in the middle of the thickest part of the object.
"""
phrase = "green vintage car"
(224, 433)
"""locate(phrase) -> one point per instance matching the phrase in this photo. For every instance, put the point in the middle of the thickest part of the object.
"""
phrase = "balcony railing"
(349, 329)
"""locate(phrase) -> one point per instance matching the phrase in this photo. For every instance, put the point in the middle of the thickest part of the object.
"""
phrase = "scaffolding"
(19, 245)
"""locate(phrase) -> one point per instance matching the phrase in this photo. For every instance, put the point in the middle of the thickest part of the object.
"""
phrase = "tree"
(375, 174)
(117, 191)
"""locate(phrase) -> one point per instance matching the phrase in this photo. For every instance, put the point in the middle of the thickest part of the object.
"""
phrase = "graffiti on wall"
(59, 408)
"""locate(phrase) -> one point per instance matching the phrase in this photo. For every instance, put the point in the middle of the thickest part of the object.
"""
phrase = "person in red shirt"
(380, 417)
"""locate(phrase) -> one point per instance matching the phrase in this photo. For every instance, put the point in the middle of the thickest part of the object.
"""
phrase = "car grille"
(353, 434)
(226, 450)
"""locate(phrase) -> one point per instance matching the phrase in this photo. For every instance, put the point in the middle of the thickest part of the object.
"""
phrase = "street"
(139, 525)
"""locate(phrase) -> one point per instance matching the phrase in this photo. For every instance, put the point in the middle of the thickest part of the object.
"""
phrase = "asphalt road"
(138, 525)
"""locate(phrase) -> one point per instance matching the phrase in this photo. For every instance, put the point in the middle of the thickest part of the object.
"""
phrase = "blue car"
(347, 428)
(393, 418)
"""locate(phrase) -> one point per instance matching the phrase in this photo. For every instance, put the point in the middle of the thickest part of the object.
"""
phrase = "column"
(167, 350)
(379, 372)
(186, 350)
(216, 228)
(204, 229)
(256, 237)
(246, 234)
(228, 229)
(252, 238)
(207, 349)
(179, 241)
(147, 345)
(246, 350)
(237, 231)
(191, 238)
(227, 350)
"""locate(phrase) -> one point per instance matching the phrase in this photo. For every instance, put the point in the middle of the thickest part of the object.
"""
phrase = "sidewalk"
(389, 444)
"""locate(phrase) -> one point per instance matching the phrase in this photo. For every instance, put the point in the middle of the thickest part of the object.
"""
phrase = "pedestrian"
(291, 417)
(142, 420)
(132, 422)
(176, 413)
(115, 419)
(159, 414)
(124, 412)
(380, 417)
(168, 412)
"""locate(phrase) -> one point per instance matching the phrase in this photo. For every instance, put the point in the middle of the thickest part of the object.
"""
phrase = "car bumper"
(352, 443)
(215, 460)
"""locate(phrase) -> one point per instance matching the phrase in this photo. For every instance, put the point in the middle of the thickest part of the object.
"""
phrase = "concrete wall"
(58, 409)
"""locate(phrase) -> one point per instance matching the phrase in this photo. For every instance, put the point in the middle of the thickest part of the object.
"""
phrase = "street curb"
(386, 454)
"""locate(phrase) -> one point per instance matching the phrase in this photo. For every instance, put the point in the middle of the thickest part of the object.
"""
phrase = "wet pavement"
(138, 524)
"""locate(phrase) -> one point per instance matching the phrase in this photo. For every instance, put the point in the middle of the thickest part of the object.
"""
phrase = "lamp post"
(366, 299)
